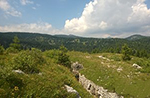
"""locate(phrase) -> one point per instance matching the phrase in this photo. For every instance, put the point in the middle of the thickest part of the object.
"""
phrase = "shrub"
(145, 64)
(63, 58)
(11, 50)
(14, 47)
(28, 61)
(1, 50)
(52, 53)
(126, 52)
(10, 84)
(13, 81)
(15, 43)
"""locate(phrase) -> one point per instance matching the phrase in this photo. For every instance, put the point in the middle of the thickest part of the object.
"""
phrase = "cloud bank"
(106, 18)
(39, 27)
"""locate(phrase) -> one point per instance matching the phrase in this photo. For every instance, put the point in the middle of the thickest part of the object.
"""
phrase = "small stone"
(137, 66)
(40, 74)
(18, 71)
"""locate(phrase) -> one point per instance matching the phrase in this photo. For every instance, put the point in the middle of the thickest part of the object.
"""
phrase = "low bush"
(11, 50)
(28, 61)
(52, 54)
(63, 58)
(145, 64)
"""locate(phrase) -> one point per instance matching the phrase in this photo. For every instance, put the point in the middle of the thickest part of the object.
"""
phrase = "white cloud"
(25, 2)
(39, 27)
(111, 17)
(5, 6)
(34, 8)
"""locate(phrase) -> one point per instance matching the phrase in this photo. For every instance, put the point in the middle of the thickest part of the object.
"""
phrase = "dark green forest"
(139, 45)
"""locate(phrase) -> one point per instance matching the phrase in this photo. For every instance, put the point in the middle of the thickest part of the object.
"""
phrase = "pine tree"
(126, 51)
(15, 43)
(14, 47)
(1, 50)
(63, 58)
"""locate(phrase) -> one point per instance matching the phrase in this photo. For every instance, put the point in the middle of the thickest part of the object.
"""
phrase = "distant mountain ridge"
(67, 36)
(136, 37)
(72, 42)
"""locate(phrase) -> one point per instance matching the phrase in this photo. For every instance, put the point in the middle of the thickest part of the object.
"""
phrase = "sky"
(87, 18)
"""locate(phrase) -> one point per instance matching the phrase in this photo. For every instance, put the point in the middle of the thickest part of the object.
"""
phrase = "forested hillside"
(139, 44)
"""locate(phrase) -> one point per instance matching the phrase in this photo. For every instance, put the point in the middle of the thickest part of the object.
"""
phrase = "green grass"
(129, 82)
(48, 85)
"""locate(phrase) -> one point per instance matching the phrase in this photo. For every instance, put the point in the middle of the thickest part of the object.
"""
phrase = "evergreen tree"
(15, 43)
(15, 46)
(137, 53)
(126, 51)
(63, 58)
(96, 50)
(1, 50)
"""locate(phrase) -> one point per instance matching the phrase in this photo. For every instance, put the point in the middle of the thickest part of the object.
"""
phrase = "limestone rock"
(96, 90)
(137, 66)
(76, 66)
(18, 71)
(71, 90)
(104, 58)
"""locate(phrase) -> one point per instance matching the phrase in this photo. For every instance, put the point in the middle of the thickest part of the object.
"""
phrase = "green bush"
(126, 51)
(11, 50)
(14, 47)
(52, 53)
(1, 50)
(14, 81)
(63, 58)
(28, 61)
(145, 64)
(15, 43)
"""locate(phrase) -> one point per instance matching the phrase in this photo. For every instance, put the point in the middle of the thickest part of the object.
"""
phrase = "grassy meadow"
(114, 74)
(43, 77)
(48, 82)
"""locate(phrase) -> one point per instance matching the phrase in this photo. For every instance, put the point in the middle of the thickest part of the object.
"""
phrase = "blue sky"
(90, 18)
(51, 11)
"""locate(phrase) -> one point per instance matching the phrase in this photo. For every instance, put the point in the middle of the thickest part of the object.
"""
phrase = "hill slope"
(108, 70)
(46, 42)
(135, 37)
(49, 83)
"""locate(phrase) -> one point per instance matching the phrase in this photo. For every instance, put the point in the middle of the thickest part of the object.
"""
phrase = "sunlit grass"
(129, 81)
(50, 84)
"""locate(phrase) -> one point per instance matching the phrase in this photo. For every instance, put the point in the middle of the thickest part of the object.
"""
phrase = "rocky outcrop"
(71, 90)
(76, 66)
(96, 90)
(75, 69)
(91, 87)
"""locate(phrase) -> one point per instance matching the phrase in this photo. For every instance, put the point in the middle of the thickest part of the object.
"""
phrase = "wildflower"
(16, 88)
(12, 94)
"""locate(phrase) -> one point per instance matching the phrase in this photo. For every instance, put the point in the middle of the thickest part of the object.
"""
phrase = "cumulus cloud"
(39, 27)
(25, 2)
(5, 6)
(111, 18)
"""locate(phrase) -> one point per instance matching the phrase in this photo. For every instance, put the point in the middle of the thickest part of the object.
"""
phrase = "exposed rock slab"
(96, 90)
(71, 90)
